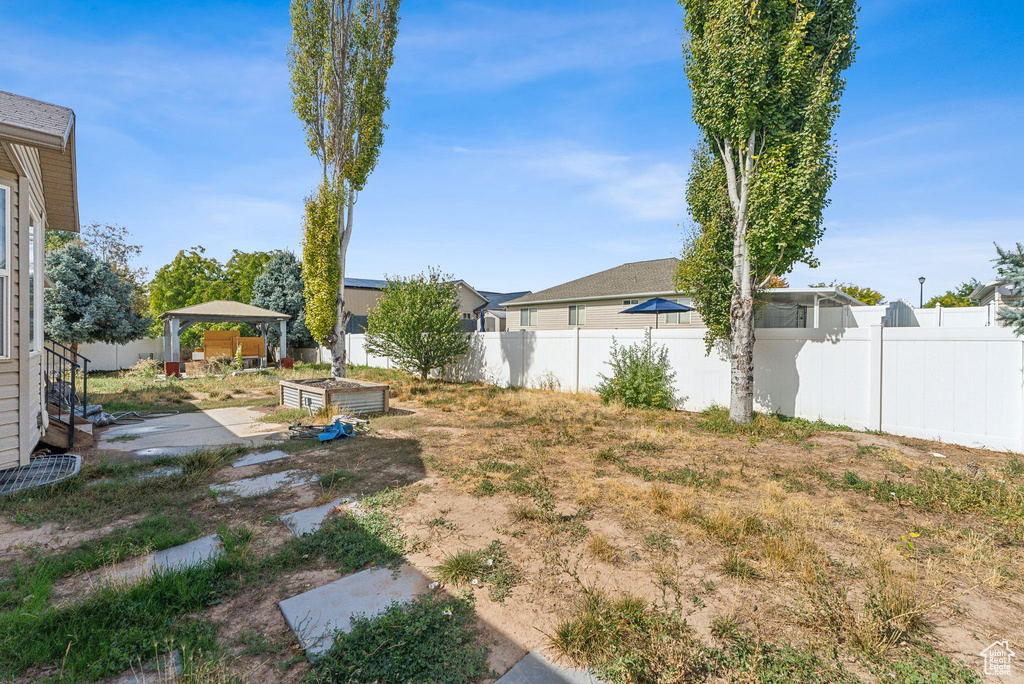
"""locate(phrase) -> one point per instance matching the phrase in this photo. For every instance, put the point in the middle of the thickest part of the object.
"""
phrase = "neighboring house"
(597, 301)
(360, 296)
(492, 315)
(478, 309)
(993, 292)
(38, 192)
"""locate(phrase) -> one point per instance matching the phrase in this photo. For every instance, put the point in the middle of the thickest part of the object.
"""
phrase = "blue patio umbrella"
(657, 306)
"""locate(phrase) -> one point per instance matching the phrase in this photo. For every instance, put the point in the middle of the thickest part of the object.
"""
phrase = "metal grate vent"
(40, 471)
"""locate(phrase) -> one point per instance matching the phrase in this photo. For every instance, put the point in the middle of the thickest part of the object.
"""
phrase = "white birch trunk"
(741, 306)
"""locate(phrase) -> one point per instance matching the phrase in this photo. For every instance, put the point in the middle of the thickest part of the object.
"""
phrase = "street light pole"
(921, 280)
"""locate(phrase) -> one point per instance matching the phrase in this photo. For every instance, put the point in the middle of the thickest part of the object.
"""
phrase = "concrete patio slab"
(536, 669)
(316, 615)
(309, 520)
(256, 459)
(202, 429)
(262, 484)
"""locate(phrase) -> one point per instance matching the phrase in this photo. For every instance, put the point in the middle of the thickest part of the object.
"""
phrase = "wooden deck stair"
(57, 434)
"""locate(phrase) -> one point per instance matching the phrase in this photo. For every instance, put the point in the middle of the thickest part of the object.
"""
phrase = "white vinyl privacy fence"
(960, 385)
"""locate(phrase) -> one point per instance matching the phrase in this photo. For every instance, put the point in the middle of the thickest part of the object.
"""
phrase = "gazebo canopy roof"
(221, 310)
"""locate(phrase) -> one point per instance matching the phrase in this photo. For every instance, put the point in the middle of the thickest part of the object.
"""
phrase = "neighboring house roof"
(635, 278)
(366, 283)
(639, 279)
(223, 310)
(496, 300)
(50, 129)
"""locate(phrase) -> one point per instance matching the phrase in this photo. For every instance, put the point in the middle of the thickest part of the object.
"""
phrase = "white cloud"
(480, 46)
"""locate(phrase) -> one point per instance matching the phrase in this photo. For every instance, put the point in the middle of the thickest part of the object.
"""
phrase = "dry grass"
(792, 517)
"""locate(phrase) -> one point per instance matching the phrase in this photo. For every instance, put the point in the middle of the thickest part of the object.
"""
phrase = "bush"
(641, 376)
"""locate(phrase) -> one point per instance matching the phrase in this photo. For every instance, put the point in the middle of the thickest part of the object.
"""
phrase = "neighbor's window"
(630, 302)
(527, 317)
(5, 272)
(35, 288)
(680, 317)
(577, 314)
(466, 315)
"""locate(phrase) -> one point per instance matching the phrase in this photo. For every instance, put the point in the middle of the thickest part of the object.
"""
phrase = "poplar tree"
(766, 77)
(339, 57)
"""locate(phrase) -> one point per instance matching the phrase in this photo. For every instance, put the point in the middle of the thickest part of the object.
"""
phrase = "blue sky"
(530, 142)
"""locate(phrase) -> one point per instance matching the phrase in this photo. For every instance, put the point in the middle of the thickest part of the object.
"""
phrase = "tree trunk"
(339, 356)
(741, 358)
(741, 306)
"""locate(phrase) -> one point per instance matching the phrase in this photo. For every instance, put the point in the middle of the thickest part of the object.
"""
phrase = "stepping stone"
(316, 615)
(536, 669)
(187, 555)
(153, 673)
(262, 484)
(161, 452)
(180, 557)
(308, 521)
(256, 459)
(162, 471)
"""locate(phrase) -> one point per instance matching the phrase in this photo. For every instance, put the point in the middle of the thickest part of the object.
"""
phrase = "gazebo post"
(284, 342)
(176, 340)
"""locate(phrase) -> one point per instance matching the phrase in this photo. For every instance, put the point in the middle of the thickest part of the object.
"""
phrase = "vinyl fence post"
(875, 379)
(576, 369)
(522, 357)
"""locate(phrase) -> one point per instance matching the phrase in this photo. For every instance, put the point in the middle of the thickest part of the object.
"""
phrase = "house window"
(577, 314)
(680, 317)
(466, 316)
(35, 288)
(527, 318)
(5, 271)
(630, 302)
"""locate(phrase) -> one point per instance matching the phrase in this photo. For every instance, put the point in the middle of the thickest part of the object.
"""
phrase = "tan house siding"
(10, 368)
(359, 300)
(468, 299)
(601, 313)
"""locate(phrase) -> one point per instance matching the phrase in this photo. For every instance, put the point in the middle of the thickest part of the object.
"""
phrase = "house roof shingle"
(638, 277)
(43, 123)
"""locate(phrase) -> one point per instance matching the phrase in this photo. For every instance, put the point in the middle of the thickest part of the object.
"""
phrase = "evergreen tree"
(1010, 266)
(89, 301)
(279, 288)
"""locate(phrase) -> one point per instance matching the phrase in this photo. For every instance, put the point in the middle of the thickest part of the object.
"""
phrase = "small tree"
(642, 376)
(1010, 266)
(340, 55)
(766, 76)
(279, 288)
(416, 323)
(89, 301)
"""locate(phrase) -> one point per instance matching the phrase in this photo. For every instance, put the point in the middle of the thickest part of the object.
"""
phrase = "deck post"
(284, 339)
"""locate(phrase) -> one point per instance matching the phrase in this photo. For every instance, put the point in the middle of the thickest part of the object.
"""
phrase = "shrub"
(641, 376)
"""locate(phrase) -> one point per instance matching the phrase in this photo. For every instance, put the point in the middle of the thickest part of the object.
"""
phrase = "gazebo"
(218, 311)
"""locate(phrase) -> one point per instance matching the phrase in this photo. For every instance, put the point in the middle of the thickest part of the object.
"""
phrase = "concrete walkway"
(262, 484)
(211, 428)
